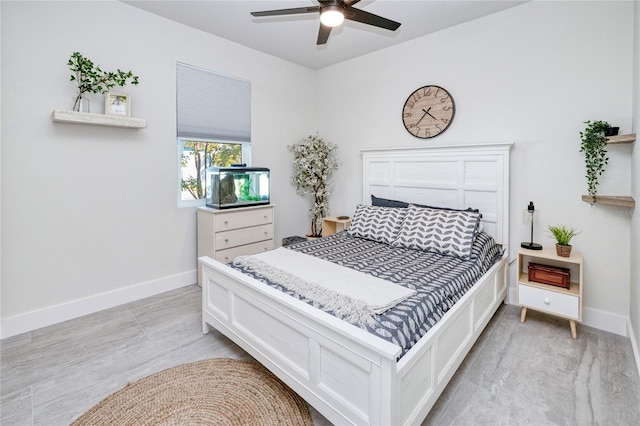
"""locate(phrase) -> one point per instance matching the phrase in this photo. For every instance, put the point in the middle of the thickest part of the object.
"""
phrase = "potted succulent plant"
(563, 236)
(594, 147)
(313, 162)
(91, 78)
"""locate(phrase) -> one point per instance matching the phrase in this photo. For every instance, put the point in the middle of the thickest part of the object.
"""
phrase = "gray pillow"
(377, 201)
(376, 223)
(447, 232)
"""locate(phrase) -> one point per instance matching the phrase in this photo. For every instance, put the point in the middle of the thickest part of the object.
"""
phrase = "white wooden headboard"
(459, 176)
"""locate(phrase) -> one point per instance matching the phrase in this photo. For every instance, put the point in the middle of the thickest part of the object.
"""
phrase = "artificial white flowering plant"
(313, 162)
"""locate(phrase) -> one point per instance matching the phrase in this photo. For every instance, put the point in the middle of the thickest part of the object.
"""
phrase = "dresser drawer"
(242, 219)
(240, 237)
(225, 256)
(549, 301)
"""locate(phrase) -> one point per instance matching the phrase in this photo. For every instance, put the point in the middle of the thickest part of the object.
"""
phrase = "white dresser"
(225, 234)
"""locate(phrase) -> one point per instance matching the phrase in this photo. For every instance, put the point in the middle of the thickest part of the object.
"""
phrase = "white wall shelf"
(611, 200)
(630, 138)
(61, 116)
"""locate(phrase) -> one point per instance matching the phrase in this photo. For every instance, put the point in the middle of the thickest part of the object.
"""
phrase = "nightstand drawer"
(239, 237)
(549, 301)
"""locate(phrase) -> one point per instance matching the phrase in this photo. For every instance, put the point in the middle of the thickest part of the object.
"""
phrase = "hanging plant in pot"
(314, 160)
(563, 236)
(91, 78)
(594, 147)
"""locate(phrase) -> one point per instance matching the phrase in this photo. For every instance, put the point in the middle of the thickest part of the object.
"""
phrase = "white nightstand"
(565, 303)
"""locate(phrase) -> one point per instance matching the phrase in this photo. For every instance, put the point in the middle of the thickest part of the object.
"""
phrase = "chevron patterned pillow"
(446, 232)
(379, 224)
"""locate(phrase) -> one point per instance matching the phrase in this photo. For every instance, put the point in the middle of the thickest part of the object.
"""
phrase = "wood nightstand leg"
(574, 332)
(523, 314)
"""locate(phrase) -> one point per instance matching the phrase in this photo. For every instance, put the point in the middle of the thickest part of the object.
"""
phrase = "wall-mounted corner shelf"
(611, 200)
(615, 200)
(630, 138)
(61, 116)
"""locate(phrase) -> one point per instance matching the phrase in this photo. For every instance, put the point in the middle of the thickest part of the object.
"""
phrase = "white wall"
(529, 75)
(89, 214)
(634, 294)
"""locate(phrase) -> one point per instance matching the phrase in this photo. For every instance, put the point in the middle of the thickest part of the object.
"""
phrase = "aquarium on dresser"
(230, 187)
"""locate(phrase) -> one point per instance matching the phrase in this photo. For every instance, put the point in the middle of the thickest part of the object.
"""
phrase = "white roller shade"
(211, 106)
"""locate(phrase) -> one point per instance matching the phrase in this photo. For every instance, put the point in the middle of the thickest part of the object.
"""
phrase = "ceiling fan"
(332, 14)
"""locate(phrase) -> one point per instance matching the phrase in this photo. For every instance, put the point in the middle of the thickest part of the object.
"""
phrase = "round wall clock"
(428, 112)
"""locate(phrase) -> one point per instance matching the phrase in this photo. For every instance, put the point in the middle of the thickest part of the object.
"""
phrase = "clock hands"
(423, 116)
(426, 112)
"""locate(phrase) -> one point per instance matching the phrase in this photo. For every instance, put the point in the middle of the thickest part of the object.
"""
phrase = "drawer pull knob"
(226, 241)
(265, 217)
(547, 301)
(266, 233)
(226, 222)
(226, 258)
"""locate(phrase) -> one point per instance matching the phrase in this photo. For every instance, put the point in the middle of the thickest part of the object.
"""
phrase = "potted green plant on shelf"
(594, 147)
(563, 236)
(90, 78)
(313, 162)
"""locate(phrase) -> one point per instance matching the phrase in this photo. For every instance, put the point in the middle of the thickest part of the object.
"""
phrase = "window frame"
(245, 158)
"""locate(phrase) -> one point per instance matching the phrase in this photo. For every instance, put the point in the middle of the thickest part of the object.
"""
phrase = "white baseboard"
(55, 314)
(606, 321)
(634, 345)
(592, 317)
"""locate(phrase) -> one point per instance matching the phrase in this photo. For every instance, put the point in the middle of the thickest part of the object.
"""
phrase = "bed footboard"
(347, 374)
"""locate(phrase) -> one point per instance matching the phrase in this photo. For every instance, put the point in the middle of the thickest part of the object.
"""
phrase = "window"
(214, 127)
(196, 156)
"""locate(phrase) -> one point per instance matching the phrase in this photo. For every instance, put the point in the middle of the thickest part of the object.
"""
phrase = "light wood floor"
(532, 373)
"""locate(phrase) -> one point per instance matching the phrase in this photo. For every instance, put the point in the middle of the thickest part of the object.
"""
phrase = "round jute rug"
(211, 392)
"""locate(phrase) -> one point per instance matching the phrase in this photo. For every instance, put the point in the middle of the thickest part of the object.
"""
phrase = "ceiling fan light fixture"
(331, 16)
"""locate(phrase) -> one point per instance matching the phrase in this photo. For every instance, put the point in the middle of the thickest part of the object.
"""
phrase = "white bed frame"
(347, 374)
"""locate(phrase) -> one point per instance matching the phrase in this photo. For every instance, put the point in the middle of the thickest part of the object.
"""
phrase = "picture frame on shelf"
(117, 104)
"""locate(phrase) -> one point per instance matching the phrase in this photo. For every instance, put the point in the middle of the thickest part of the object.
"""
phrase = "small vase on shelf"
(81, 104)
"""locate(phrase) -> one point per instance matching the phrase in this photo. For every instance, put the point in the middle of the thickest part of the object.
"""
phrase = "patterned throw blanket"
(354, 296)
(439, 281)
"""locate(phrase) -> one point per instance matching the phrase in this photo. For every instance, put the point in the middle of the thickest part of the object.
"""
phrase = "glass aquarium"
(231, 187)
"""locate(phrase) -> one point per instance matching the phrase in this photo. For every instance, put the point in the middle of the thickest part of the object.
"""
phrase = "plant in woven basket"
(313, 162)
(594, 147)
(91, 78)
(563, 236)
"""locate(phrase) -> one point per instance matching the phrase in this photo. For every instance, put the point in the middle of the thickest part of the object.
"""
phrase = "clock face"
(428, 112)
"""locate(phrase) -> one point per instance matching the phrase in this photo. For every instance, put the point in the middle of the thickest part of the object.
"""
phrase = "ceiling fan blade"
(323, 34)
(292, 11)
(350, 2)
(360, 15)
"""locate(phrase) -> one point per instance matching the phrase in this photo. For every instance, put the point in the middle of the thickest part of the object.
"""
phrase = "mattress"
(439, 280)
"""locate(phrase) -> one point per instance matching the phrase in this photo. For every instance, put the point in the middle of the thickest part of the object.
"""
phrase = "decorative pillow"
(446, 232)
(375, 223)
(376, 201)
(384, 202)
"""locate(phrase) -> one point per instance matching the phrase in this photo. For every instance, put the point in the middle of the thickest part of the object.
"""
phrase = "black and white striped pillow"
(446, 232)
(379, 224)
